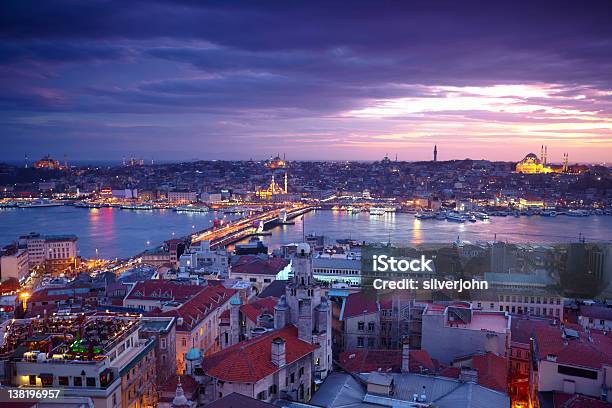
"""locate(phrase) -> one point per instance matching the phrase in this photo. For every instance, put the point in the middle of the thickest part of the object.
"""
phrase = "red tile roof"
(255, 265)
(364, 361)
(577, 352)
(194, 310)
(359, 304)
(563, 400)
(492, 371)
(523, 329)
(450, 372)
(254, 309)
(188, 384)
(163, 290)
(251, 360)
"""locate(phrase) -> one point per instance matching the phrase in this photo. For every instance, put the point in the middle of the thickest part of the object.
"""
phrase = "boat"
(191, 208)
(441, 216)
(8, 204)
(85, 204)
(577, 213)
(548, 213)
(471, 218)
(481, 215)
(390, 209)
(455, 217)
(425, 215)
(136, 207)
(40, 204)
(377, 211)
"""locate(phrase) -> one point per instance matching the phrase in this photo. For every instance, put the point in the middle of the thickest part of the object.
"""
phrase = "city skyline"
(335, 82)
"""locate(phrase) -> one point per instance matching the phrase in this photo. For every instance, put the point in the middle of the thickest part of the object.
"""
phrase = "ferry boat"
(441, 216)
(40, 204)
(191, 208)
(455, 217)
(136, 207)
(481, 215)
(8, 204)
(84, 204)
(548, 213)
(577, 213)
(425, 215)
(377, 211)
(390, 209)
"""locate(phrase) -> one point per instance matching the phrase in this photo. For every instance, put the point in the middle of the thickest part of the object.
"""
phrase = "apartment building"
(98, 357)
(54, 249)
(572, 361)
(14, 263)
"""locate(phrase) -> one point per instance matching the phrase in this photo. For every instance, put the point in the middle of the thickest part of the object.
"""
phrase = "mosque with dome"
(532, 164)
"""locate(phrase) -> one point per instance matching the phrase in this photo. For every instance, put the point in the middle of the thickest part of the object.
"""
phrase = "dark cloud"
(289, 62)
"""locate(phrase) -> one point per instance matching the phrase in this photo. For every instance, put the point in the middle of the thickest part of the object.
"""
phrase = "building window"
(272, 389)
(360, 326)
(162, 343)
(261, 395)
(32, 380)
(292, 378)
(62, 381)
(359, 341)
(301, 372)
(371, 342)
(371, 326)
(91, 381)
(78, 381)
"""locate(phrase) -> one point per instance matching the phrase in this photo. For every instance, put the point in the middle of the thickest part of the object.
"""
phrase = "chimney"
(278, 352)
(405, 356)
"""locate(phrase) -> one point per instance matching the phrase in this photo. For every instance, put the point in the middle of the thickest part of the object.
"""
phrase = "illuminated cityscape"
(305, 205)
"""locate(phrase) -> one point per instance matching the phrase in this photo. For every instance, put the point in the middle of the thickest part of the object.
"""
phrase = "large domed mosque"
(531, 164)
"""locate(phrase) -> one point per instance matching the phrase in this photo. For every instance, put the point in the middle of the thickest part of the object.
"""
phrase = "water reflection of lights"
(417, 233)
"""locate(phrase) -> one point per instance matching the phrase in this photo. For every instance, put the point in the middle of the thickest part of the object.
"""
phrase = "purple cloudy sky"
(317, 80)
